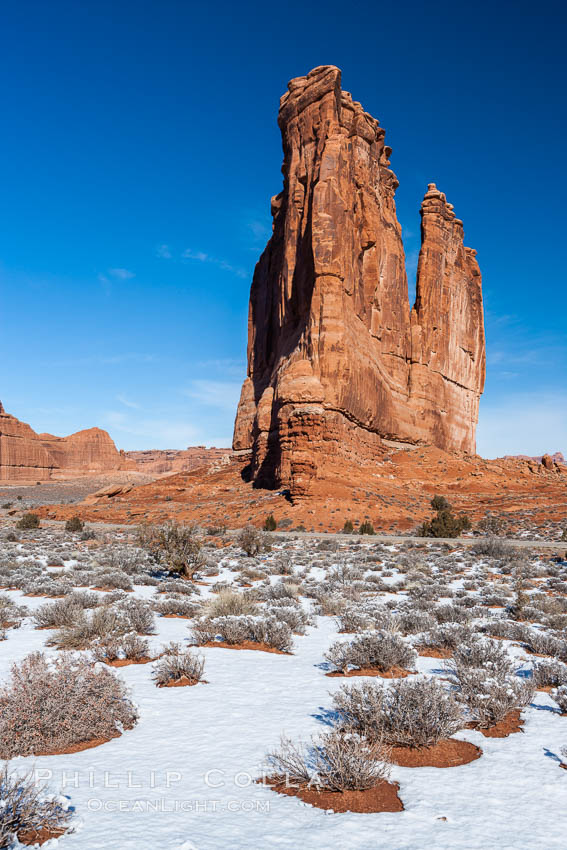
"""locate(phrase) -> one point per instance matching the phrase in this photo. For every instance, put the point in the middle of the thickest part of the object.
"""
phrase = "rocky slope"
(27, 456)
(337, 362)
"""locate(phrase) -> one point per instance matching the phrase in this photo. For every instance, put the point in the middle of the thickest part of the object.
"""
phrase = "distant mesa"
(338, 363)
(27, 456)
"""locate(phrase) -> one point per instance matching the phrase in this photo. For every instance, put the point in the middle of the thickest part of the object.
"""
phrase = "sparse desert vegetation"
(385, 657)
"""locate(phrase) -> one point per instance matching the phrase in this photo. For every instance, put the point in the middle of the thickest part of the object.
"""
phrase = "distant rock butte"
(171, 461)
(27, 456)
(337, 361)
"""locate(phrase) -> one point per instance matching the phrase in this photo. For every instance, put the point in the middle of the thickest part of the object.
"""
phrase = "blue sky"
(140, 150)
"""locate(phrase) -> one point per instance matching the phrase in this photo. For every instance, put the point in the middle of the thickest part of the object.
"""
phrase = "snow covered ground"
(184, 778)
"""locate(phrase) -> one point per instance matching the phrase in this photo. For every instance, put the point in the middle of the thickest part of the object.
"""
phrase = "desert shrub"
(487, 685)
(543, 643)
(28, 521)
(333, 762)
(449, 613)
(62, 612)
(178, 586)
(559, 696)
(492, 525)
(88, 534)
(282, 590)
(55, 704)
(251, 540)
(229, 603)
(294, 615)
(440, 503)
(413, 621)
(366, 527)
(175, 547)
(486, 654)
(176, 664)
(114, 579)
(444, 524)
(102, 623)
(493, 547)
(270, 523)
(27, 811)
(237, 630)
(407, 713)
(11, 614)
(550, 674)
(380, 649)
(281, 565)
(179, 606)
(139, 615)
(130, 647)
(74, 524)
(446, 636)
(330, 604)
(348, 527)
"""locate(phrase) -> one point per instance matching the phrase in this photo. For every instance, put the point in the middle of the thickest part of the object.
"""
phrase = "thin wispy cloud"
(127, 402)
(164, 252)
(121, 274)
(158, 432)
(223, 395)
(202, 257)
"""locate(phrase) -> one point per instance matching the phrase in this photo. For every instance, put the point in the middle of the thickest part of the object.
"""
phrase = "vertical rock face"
(336, 360)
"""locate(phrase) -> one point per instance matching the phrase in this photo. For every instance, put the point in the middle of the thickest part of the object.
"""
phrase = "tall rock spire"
(332, 347)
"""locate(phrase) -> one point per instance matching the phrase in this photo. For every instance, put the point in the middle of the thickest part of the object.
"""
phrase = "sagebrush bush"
(407, 713)
(335, 761)
(551, 673)
(176, 605)
(52, 705)
(27, 810)
(130, 647)
(74, 524)
(230, 603)
(251, 540)
(175, 547)
(487, 685)
(559, 696)
(381, 650)
(28, 521)
(176, 664)
(238, 630)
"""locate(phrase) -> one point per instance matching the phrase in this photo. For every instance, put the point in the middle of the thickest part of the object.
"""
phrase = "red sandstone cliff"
(336, 362)
(27, 456)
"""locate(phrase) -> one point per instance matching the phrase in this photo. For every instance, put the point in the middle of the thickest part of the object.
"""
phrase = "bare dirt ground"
(394, 494)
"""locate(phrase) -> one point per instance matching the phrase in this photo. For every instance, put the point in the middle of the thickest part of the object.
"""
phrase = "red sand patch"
(447, 753)
(176, 616)
(111, 589)
(78, 748)
(511, 723)
(434, 652)
(38, 836)
(392, 673)
(382, 798)
(247, 644)
(125, 662)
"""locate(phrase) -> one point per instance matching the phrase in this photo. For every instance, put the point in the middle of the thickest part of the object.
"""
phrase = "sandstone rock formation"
(171, 461)
(27, 456)
(337, 362)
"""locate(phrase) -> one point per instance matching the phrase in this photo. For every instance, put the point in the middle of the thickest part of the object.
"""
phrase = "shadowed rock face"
(337, 362)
